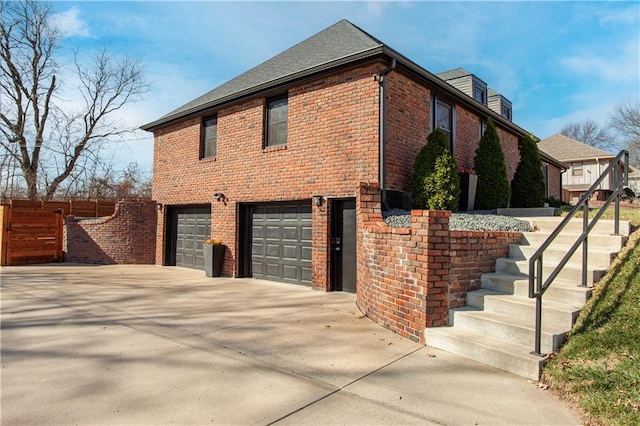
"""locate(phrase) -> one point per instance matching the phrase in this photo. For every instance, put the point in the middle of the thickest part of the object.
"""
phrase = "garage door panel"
(290, 253)
(273, 232)
(290, 233)
(280, 251)
(306, 273)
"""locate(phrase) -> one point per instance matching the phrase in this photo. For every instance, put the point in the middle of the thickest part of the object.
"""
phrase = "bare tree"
(590, 133)
(54, 141)
(626, 121)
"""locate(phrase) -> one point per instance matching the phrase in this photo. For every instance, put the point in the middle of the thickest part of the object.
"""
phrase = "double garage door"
(281, 243)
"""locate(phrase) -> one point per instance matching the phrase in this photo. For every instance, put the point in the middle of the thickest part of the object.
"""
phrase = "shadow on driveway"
(158, 345)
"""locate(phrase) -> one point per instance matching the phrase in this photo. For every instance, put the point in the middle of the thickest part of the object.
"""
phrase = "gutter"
(381, 79)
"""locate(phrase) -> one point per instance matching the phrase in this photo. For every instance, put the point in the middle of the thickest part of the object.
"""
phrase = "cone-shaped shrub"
(425, 164)
(493, 189)
(528, 186)
(442, 187)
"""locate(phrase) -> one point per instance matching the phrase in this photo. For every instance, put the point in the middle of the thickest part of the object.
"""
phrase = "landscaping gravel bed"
(478, 220)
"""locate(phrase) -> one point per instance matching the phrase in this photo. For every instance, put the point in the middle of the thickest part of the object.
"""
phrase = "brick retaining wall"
(126, 237)
(409, 278)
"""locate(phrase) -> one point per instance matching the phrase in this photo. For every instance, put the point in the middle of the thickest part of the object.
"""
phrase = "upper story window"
(276, 121)
(506, 111)
(209, 137)
(483, 127)
(443, 118)
(576, 169)
(480, 94)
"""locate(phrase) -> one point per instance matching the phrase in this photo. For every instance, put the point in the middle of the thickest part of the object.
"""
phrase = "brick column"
(433, 228)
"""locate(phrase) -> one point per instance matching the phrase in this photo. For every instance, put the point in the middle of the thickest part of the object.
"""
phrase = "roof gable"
(565, 148)
(341, 40)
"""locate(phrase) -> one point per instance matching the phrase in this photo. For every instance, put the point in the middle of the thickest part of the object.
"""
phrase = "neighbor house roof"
(340, 45)
(567, 149)
(455, 73)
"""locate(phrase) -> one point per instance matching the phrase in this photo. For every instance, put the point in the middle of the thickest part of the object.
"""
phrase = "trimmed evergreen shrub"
(425, 164)
(493, 189)
(442, 187)
(528, 186)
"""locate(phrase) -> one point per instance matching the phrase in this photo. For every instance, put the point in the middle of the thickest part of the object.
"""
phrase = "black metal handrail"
(620, 171)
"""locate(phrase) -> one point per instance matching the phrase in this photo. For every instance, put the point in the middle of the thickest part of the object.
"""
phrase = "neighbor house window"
(545, 173)
(209, 137)
(483, 127)
(276, 121)
(576, 169)
(443, 119)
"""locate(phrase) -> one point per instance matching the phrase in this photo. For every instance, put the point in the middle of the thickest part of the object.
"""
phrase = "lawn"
(630, 214)
(599, 367)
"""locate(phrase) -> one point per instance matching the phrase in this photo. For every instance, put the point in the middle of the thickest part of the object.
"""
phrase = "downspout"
(381, 79)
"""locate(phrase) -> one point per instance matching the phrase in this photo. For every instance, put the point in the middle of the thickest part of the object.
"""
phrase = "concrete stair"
(497, 325)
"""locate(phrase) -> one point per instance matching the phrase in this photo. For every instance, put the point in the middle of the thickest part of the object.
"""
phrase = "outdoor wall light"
(220, 196)
(317, 200)
(158, 206)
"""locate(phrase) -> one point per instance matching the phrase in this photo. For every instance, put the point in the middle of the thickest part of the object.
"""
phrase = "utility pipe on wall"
(381, 129)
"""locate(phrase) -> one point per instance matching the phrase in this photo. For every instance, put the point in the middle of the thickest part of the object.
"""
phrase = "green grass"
(631, 215)
(599, 367)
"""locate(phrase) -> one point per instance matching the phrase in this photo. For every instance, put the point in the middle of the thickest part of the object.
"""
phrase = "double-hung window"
(443, 119)
(209, 137)
(276, 121)
(576, 169)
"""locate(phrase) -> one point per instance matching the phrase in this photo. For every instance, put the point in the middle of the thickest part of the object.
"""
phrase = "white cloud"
(70, 23)
(614, 64)
(614, 17)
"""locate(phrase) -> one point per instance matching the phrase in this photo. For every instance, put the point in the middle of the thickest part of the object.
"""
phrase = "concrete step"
(567, 239)
(560, 291)
(560, 314)
(597, 258)
(549, 224)
(506, 356)
(571, 273)
(508, 328)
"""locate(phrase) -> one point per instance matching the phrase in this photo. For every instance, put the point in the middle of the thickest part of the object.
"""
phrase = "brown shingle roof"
(566, 149)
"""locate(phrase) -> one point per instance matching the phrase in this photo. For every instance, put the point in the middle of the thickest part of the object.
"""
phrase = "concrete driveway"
(160, 345)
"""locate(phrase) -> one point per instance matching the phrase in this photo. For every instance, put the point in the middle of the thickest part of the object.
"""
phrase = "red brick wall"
(332, 146)
(409, 278)
(554, 177)
(510, 150)
(467, 137)
(408, 125)
(126, 237)
(472, 254)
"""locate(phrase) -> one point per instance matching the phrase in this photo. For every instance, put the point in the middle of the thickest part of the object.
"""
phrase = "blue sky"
(557, 62)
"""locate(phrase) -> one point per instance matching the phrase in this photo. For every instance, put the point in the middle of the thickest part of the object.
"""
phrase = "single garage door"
(281, 243)
(193, 227)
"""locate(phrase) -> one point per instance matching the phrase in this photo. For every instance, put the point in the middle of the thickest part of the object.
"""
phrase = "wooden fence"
(93, 208)
(32, 231)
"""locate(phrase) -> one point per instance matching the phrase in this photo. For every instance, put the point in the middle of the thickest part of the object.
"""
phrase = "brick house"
(270, 162)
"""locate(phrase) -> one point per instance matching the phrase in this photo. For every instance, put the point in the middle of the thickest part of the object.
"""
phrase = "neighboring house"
(585, 162)
(270, 161)
(634, 180)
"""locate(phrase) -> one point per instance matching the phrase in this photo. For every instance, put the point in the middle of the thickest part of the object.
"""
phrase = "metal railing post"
(585, 244)
(616, 210)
